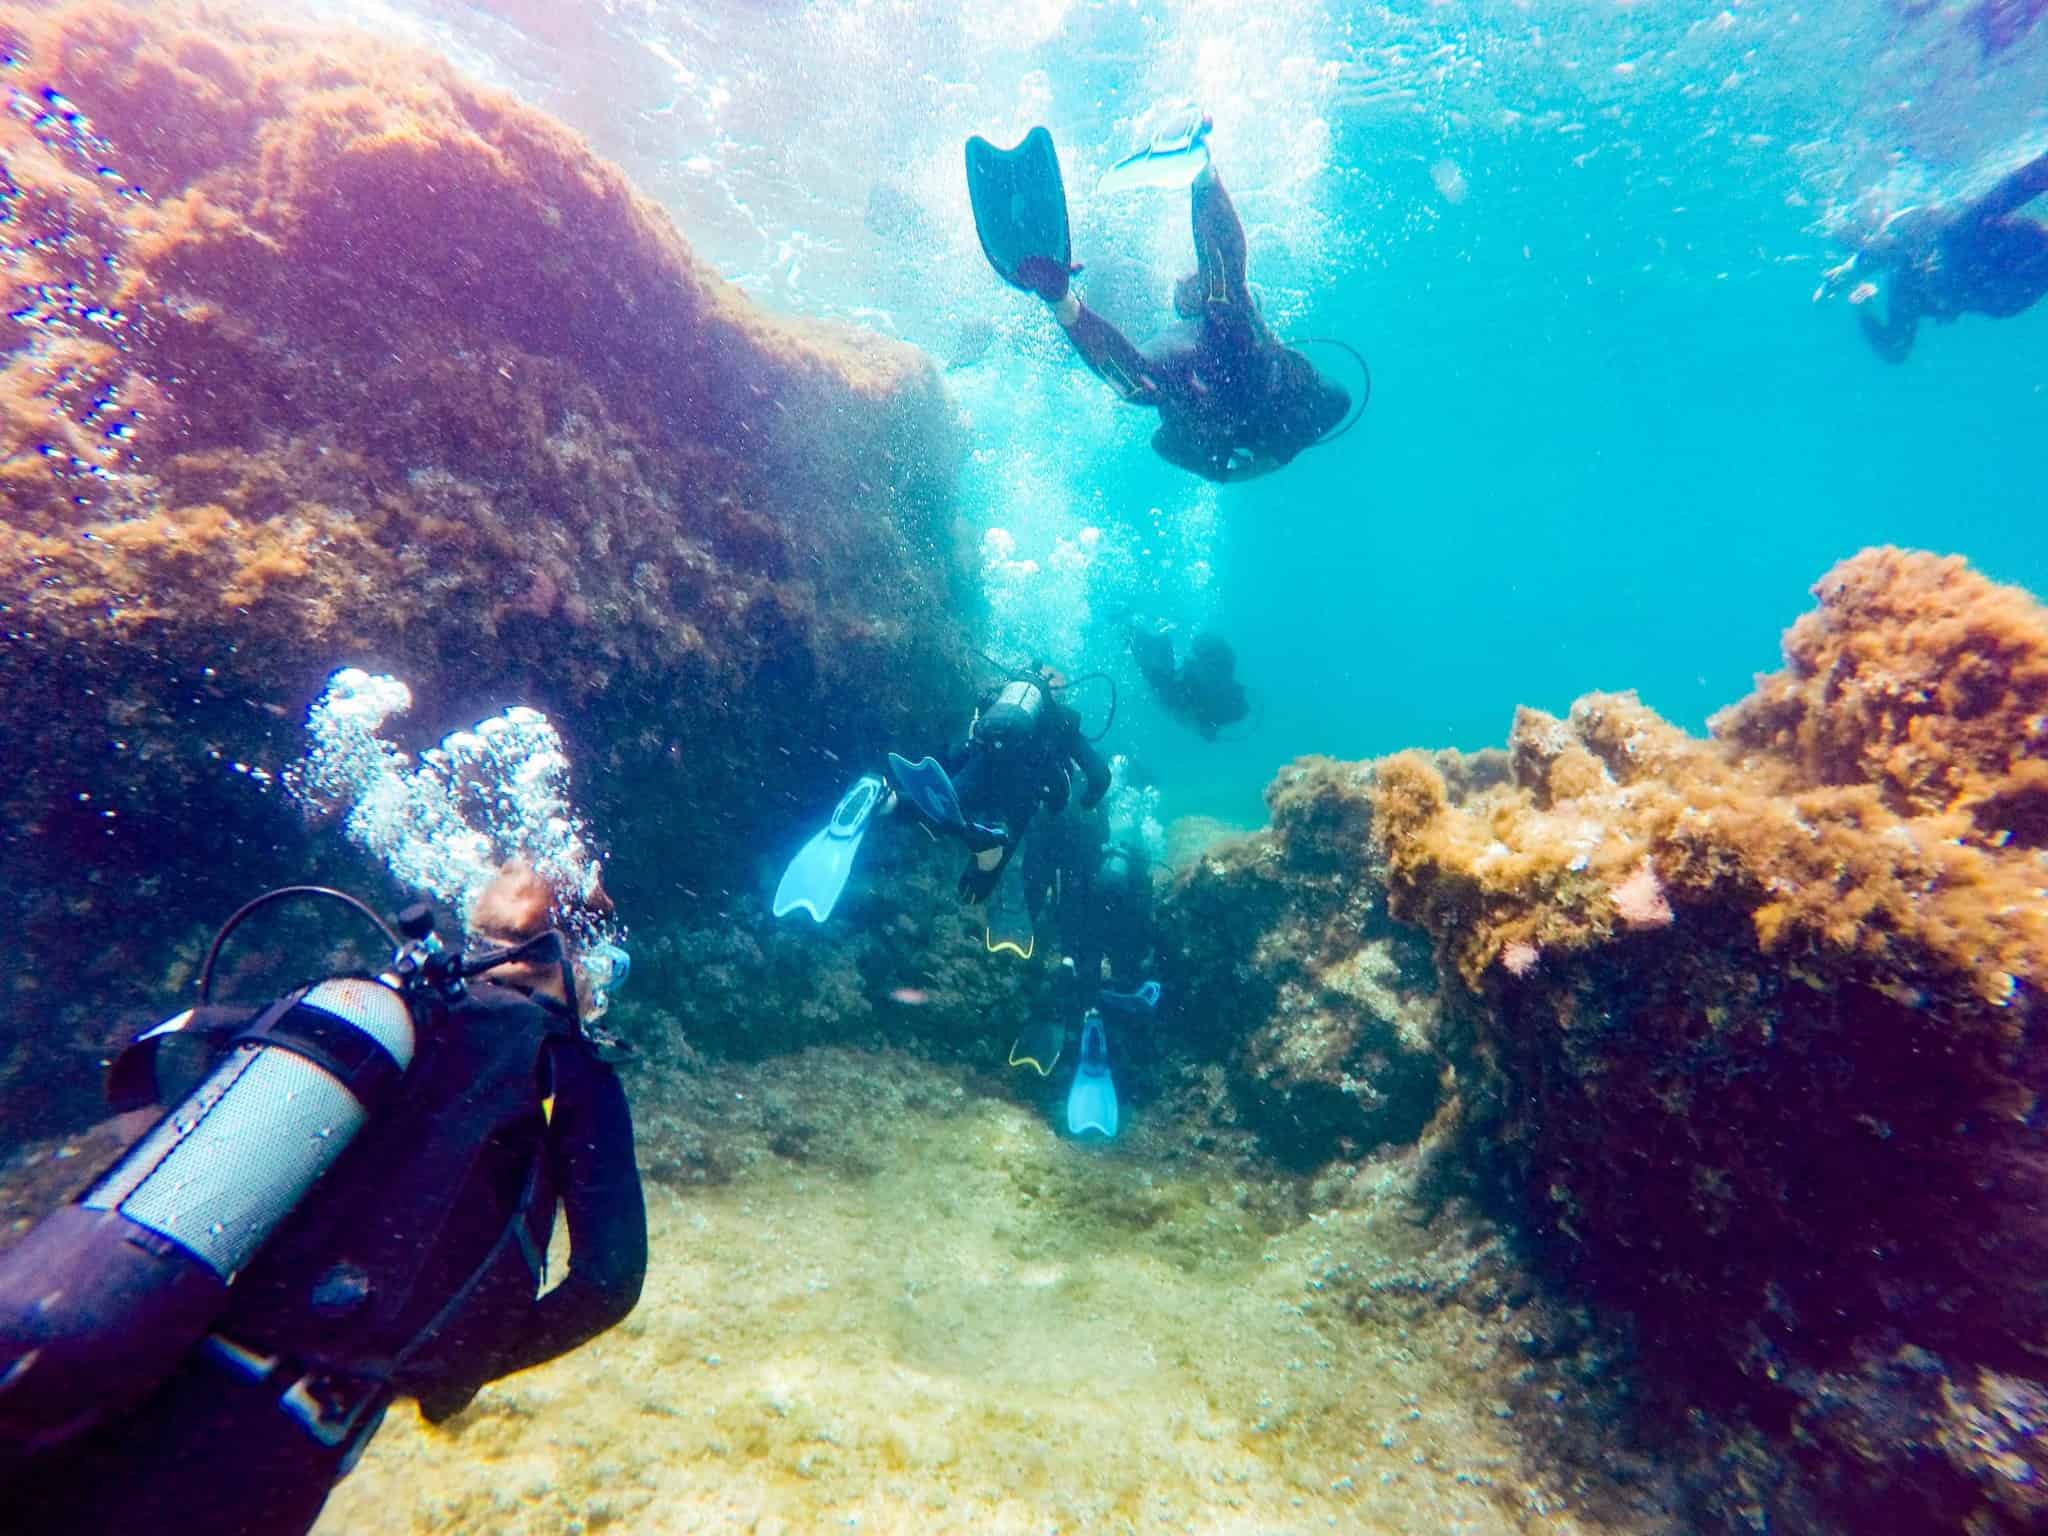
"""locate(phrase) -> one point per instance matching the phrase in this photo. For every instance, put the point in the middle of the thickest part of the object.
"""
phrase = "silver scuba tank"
(106, 1294)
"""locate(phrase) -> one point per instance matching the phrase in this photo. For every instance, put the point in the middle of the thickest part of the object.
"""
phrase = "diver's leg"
(1220, 256)
(983, 870)
(2017, 189)
(1087, 971)
(1106, 350)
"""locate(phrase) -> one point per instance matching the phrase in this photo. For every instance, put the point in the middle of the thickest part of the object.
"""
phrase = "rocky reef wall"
(317, 353)
(1292, 978)
(1742, 1035)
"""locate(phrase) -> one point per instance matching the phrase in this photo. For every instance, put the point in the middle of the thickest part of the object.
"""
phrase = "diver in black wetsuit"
(1021, 751)
(411, 1269)
(1096, 892)
(1203, 690)
(1986, 258)
(1233, 403)
(1019, 756)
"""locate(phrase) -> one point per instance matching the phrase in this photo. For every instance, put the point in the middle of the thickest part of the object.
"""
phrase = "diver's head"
(1011, 719)
(519, 906)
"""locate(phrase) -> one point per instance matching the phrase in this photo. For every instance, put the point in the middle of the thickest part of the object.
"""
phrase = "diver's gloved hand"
(1046, 277)
(439, 1404)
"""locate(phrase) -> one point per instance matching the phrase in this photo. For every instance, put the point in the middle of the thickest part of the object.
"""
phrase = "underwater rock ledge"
(317, 353)
(1742, 1034)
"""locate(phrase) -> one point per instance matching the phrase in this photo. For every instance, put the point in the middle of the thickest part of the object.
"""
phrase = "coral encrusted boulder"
(316, 353)
(1294, 976)
(1756, 1046)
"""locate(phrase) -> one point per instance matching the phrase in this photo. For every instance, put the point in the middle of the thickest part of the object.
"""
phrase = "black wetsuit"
(410, 1269)
(1002, 789)
(1233, 403)
(1988, 259)
(1096, 895)
(1203, 690)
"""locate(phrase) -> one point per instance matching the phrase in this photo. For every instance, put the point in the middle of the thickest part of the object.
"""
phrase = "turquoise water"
(1630, 485)
(1615, 436)
(1612, 441)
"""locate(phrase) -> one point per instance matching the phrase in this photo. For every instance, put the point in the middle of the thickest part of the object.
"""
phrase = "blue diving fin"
(1020, 206)
(1177, 153)
(929, 789)
(1144, 1000)
(817, 874)
(1091, 1101)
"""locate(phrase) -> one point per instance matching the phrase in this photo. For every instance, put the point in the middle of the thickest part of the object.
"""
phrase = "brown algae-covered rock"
(1322, 1007)
(1753, 1023)
(317, 353)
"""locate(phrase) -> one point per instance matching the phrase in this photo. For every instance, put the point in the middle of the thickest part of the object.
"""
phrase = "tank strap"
(132, 1079)
(352, 1055)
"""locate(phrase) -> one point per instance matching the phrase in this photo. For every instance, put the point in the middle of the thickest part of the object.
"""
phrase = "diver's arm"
(1107, 351)
(1091, 765)
(590, 1138)
(1892, 337)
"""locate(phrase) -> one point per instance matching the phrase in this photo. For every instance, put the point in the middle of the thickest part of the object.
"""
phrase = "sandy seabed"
(977, 1325)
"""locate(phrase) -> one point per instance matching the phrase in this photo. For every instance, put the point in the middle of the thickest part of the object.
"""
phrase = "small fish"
(1862, 293)
(914, 997)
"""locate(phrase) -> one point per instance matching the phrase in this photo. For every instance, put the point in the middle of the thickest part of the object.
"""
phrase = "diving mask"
(601, 970)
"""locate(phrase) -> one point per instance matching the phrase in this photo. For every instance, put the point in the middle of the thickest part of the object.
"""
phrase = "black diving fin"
(1020, 205)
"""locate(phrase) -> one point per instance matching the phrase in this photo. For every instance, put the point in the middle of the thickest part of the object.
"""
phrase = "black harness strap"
(348, 1052)
(515, 1231)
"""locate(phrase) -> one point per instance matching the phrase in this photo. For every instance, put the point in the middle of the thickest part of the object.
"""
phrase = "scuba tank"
(104, 1297)
(1011, 718)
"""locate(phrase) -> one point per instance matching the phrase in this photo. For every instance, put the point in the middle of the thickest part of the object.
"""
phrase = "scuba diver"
(1203, 690)
(1020, 753)
(354, 1205)
(1233, 402)
(1986, 258)
(1097, 892)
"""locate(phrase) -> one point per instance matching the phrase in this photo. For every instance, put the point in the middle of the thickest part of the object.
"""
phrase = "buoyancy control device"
(106, 1295)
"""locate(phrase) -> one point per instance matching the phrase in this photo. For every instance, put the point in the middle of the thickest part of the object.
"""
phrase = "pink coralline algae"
(1639, 900)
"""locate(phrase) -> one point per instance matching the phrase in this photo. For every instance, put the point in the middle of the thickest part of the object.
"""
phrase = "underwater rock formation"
(1748, 1027)
(1737, 1036)
(316, 353)
(1322, 1008)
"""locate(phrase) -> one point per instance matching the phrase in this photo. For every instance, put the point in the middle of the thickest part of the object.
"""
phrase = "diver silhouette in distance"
(1936, 263)
(1203, 690)
(1233, 402)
